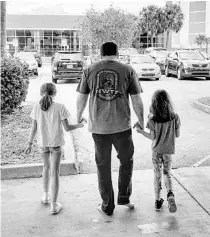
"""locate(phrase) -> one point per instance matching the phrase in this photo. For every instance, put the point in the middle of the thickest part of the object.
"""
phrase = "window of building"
(66, 33)
(197, 6)
(30, 33)
(47, 42)
(197, 17)
(10, 39)
(48, 33)
(20, 33)
(21, 43)
(10, 33)
(197, 28)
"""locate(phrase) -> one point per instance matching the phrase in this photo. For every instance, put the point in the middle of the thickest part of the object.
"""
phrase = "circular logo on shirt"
(107, 85)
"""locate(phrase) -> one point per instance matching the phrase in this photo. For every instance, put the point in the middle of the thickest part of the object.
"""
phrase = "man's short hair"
(109, 49)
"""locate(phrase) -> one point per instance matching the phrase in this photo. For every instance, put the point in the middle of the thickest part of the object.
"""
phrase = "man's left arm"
(135, 91)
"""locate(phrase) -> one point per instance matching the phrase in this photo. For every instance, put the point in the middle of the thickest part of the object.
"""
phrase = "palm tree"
(200, 39)
(150, 22)
(3, 29)
(173, 19)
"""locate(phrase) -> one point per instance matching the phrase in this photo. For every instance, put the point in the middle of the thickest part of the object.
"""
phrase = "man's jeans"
(123, 144)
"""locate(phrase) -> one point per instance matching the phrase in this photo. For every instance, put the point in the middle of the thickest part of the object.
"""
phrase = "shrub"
(14, 84)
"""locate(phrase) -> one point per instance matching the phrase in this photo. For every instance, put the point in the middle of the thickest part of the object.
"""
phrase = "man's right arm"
(81, 105)
(138, 108)
(83, 94)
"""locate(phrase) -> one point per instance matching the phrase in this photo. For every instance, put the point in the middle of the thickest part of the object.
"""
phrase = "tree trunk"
(167, 38)
(3, 29)
(151, 40)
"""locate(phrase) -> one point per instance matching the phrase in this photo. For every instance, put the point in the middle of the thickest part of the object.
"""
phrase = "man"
(109, 84)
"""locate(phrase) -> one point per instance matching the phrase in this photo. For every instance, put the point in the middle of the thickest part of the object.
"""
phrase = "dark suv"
(187, 63)
(67, 65)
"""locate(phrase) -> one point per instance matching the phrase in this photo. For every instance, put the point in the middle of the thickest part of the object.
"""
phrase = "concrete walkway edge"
(191, 195)
(200, 106)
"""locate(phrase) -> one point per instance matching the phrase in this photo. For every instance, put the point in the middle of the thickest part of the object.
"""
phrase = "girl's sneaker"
(55, 208)
(171, 202)
(158, 204)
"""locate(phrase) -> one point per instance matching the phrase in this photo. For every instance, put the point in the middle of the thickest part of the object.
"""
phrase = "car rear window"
(191, 56)
(75, 56)
(141, 59)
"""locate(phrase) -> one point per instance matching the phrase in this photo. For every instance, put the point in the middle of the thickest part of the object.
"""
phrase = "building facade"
(50, 33)
(196, 22)
(44, 33)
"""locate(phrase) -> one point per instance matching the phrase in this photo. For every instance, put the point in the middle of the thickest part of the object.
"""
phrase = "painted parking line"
(201, 161)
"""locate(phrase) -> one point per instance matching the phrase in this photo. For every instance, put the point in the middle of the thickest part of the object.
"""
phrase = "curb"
(70, 166)
(34, 170)
(206, 109)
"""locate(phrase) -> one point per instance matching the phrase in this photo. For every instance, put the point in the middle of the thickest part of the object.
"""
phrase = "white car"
(28, 58)
(145, 66)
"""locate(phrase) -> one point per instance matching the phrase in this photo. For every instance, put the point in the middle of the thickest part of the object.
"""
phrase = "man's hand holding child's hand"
(137, 127)
(28, 149)
(82, 122)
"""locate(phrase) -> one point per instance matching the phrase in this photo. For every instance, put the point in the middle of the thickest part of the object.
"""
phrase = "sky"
(74, 7)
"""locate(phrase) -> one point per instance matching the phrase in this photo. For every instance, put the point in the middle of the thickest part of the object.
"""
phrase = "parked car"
(28, 58)
(37, 56)
(124, 58)
(205, 55)
(160, 56)
(67, 66)
(150, 49)
(145, 66)
(187, 63)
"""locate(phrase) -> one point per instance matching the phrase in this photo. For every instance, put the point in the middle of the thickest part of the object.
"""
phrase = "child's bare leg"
(46, 171)
(46, 176)
(55, 172)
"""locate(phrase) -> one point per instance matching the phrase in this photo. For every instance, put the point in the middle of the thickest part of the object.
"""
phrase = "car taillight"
(55, 67)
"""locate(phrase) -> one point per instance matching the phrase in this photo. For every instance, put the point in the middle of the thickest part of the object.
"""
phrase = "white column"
(184, 32)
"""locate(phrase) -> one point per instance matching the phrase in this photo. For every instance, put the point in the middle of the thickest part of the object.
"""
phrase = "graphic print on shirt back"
(107, 84)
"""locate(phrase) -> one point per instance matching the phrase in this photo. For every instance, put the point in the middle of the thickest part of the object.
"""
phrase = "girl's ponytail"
(47, 90)
(45, 102)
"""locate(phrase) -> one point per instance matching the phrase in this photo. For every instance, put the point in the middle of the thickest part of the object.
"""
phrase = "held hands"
(28, 149)
(82, 122)
(138, 127)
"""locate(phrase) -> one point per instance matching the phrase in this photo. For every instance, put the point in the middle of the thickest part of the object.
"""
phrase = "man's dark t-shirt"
(109, 84)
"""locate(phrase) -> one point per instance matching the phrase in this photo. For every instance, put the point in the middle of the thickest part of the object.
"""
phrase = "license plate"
(148, 75)
(69, 66)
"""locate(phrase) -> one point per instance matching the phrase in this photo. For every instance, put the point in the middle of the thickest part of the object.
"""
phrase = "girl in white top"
(47, 120)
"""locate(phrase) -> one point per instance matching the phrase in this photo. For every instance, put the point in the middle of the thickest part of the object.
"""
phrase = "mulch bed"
(15, 129)
(205, 101)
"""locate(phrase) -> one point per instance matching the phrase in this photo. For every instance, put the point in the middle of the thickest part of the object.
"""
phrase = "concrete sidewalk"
(23, 215)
